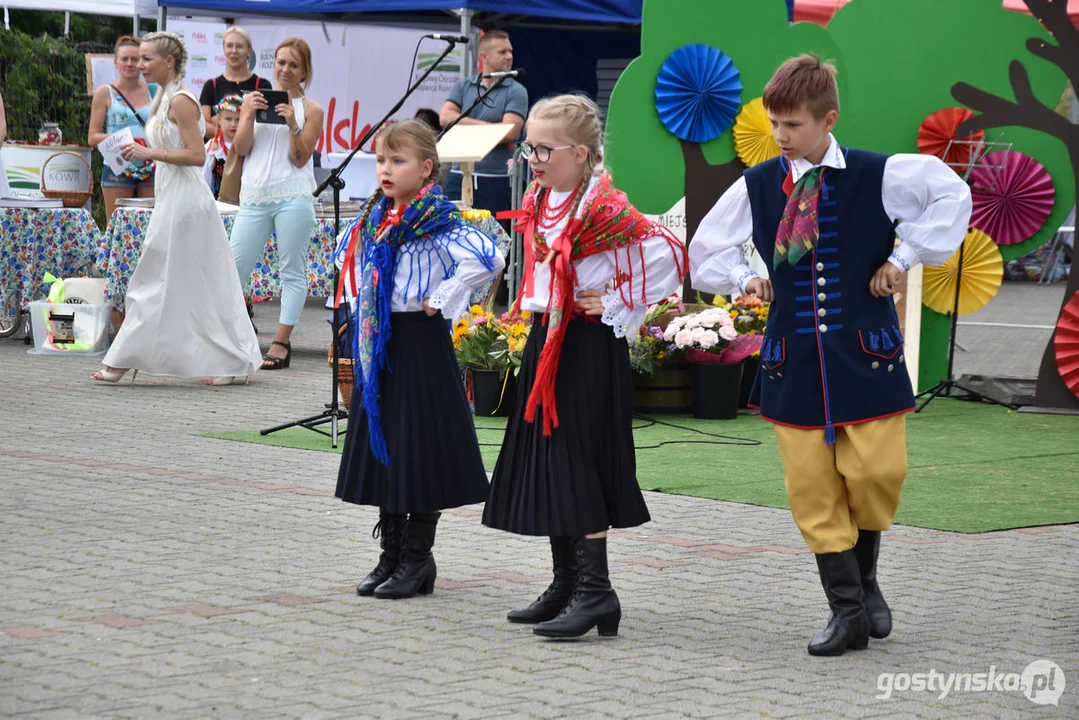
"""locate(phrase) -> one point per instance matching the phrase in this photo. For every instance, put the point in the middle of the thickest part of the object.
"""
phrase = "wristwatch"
(297, 131)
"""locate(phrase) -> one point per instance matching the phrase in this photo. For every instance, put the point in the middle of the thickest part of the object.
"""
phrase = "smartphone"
(273, 99)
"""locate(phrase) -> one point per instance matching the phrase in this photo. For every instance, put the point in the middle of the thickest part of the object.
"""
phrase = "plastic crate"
(69, 329)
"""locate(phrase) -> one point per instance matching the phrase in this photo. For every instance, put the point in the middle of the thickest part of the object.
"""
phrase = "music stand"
(978, 150)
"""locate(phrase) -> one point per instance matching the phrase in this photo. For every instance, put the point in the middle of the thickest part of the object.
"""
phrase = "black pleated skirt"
(434, 455)
(582, 478)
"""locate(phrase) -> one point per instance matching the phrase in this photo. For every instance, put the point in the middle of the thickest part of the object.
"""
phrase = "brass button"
(875, 365)
(823, 328)
(820, 266)
(822, 297)
(822, 282)
(822, 312)
(891, 367)
(901, 360)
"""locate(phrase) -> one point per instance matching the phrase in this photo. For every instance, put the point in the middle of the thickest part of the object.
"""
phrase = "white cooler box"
(69, 329)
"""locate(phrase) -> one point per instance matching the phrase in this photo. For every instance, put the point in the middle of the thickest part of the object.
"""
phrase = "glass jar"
(49, 134)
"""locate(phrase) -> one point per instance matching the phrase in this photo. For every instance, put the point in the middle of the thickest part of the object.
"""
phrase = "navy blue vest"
(833, 353)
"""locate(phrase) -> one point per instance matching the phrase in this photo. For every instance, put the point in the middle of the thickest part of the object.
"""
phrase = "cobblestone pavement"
(150, 572)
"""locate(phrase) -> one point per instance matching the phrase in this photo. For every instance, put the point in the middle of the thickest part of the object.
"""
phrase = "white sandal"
(113, 376)
(227, 380)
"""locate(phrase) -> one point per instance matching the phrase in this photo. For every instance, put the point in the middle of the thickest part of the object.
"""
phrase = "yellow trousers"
(834, 490)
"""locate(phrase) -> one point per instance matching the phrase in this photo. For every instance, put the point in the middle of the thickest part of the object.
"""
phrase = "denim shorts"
(110, 179)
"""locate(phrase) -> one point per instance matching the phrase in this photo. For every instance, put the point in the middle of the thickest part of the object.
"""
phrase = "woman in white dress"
(185, 307)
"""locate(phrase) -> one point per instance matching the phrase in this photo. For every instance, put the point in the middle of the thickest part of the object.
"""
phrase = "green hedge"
(44, 79)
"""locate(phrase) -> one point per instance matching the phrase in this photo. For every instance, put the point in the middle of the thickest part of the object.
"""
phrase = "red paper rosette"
(1066, 343)
(937, 130)
(1012, 203)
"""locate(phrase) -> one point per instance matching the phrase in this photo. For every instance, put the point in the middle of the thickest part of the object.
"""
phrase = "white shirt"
(931, 203)
(215, 151)
(625, 306)
(269, 176)
(444, 270)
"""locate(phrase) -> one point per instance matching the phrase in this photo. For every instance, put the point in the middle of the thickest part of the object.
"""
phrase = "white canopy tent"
(122, 8)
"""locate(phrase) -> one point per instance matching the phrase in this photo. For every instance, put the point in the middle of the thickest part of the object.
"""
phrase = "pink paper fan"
(1012, 203)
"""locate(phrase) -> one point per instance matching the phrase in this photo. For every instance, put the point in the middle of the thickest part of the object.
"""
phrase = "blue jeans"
(294, 223)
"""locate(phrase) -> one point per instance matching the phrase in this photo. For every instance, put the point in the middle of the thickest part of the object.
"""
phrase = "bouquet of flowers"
(750, 315)
(650, 349)
(702, 336)
(513, 334)
(484, 341)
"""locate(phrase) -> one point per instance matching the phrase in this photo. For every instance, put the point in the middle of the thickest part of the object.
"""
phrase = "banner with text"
(360, 71)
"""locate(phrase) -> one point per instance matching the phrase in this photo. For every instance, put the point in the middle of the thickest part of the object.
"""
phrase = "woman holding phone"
(277, 141)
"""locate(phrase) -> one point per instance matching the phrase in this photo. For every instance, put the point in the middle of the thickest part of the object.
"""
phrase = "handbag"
(231, 178)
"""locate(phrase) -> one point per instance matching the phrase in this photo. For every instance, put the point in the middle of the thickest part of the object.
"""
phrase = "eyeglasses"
(542, 152)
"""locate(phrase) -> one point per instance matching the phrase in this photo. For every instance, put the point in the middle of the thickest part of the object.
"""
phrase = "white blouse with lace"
(269, 177)
(651, 268)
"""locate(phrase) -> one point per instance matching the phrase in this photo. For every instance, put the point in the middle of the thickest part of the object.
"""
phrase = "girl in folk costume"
(227, 113)
(567, 468)
(411, 262)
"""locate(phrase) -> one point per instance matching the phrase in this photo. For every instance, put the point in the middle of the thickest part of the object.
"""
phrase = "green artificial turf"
(973, 468)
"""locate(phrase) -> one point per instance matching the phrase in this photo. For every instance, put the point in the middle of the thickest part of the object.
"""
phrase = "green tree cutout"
(889, 81)
(650, 164)
(1029, 112)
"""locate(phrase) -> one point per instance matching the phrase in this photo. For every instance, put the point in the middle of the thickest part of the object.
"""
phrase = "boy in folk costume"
(833, 378)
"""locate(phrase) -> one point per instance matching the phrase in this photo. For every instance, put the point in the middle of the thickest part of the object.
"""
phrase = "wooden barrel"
(669, 390)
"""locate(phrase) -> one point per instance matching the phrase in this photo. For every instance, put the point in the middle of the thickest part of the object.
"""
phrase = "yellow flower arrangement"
(485, 341)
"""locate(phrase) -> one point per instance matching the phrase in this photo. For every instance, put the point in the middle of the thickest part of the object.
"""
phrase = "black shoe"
(554, 598)
(593, 604)
(880, 617)
(848, 628)
(392, 530)
(415, 575)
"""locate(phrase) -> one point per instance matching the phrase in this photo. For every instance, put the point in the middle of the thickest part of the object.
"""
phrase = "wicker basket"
(70, 198)
(346, 377)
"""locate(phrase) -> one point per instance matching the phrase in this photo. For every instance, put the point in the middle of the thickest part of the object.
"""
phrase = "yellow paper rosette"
(983, 271)
(753, 134)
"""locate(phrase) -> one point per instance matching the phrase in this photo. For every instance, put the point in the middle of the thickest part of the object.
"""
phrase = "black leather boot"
(554, 598)
(593, 604)
(415, 574)
(391, 528)
(880, 617)
(848, 627)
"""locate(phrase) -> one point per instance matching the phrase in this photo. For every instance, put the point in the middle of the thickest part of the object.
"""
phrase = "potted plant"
(703, 337)
(488, 350)
(661, 381)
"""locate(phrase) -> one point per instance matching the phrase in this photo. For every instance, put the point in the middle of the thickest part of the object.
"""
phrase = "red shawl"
(608, 222)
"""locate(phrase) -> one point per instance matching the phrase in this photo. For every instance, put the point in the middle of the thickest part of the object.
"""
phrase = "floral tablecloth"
(119, 253)
(122, 247)
(61, 241)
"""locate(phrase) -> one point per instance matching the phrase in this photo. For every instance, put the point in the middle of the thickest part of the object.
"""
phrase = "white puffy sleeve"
(932, 205)
(717, 263)
(473, 260)
(634, 278)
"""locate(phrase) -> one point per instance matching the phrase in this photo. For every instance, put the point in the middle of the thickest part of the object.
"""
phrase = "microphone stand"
(333, 414)
(465, 113)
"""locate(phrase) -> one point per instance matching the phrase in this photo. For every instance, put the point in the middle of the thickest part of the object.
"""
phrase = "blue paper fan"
(698, 93)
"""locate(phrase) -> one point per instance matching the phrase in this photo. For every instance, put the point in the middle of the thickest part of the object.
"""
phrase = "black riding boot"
(554, 598)
(880, 617)
(593, 603)
(391, 527)
(848, 627)
(416, 572)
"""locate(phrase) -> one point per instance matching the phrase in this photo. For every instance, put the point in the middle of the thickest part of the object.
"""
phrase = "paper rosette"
(983, 270)
(1012, 202)
(753, 139)
(937, 130)
(1066, 344)
(698, 93)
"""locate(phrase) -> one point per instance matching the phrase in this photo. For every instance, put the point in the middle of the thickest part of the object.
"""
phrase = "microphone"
(449, 38)
(519, 73)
